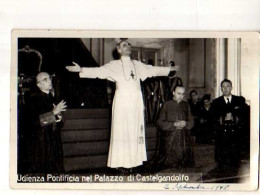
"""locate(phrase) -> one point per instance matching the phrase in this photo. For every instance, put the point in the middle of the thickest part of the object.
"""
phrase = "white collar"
(47, 92)
(125, 58)
(207, 108)
(228, 97)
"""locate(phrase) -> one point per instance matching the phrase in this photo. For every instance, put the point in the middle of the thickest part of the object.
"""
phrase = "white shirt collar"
(228, 97)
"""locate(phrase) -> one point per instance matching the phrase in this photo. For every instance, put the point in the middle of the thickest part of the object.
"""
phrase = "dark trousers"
(227, 147)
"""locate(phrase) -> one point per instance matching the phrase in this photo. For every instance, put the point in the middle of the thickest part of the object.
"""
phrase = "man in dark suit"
(229, 120)
(46, 121)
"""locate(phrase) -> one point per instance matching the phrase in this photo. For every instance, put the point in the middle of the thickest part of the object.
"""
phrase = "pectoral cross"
(132, 74)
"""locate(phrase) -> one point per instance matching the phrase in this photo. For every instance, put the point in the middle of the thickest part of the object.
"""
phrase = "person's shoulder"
(35, 93)
(36, 97)
(238, 98)
(112, 62)
(168, 102)
(218, 99)
(138, 62)
(217, 102)
(184, 102)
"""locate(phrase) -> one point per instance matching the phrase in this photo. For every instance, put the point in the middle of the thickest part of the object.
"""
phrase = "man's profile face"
(178, 94)
(44, 82)
(124, 48)
(226, 88)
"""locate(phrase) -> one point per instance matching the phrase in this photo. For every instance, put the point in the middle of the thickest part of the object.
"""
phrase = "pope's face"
(178, 94)
(226, 88)
(124, 48)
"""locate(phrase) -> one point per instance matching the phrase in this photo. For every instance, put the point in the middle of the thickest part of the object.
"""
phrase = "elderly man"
(46, 120)
(127, 144)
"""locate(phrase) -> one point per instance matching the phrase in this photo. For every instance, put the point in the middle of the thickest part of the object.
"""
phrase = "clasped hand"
(229, 117)
(180, 124)
(61, 107)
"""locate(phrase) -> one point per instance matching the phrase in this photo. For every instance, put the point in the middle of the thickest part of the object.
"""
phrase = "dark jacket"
(228, 134)
(46, 151)
(236, 108)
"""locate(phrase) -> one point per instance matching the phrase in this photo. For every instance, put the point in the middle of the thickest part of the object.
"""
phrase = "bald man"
(46, 120)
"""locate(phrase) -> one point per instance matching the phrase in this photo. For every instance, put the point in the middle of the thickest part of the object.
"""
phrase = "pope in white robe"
(127, 143)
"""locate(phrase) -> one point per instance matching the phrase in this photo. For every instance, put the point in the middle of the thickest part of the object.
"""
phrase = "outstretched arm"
(104, 72)
(147, 71)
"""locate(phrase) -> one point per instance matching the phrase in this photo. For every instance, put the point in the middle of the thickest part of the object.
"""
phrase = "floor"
(203, 172)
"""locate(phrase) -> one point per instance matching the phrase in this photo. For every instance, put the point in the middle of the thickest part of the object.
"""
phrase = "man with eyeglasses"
(46, 121)
(127, 142)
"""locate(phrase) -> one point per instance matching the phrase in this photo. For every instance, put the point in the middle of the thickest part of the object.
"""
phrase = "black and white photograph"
(122, 110)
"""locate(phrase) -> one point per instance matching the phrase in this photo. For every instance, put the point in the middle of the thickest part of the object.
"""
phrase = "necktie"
(228, 102)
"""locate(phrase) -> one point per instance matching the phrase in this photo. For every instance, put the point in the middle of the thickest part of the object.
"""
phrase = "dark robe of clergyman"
(46, 151)
(176, 147)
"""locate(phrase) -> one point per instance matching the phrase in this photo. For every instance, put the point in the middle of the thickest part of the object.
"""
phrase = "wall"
(177, 50)
(95, 48)
(250, 55)
(211, 64)
(189, 54)
(109, 46)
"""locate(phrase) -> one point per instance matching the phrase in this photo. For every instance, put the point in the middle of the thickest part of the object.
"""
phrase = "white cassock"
(127, 144)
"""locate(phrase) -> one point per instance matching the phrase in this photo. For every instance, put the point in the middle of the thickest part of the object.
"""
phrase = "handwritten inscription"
(181, 186)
